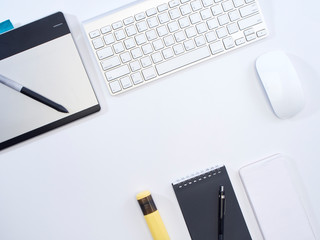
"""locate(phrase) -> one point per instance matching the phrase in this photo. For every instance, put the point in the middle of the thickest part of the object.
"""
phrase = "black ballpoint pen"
(26, 91)
(222, 209)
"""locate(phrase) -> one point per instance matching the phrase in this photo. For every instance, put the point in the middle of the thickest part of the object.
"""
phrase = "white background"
(80, 181)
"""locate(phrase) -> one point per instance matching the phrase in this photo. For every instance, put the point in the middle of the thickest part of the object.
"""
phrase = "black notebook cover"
(198, 200)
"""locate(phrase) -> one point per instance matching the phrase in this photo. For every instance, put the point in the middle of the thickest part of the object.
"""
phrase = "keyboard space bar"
(182, 60)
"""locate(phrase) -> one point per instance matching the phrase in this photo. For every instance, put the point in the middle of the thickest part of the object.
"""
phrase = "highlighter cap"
(146, 202)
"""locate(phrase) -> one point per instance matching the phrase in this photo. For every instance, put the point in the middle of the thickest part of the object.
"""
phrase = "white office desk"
(79, 181)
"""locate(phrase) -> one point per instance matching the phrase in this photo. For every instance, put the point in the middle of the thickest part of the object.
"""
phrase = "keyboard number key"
(108, 39)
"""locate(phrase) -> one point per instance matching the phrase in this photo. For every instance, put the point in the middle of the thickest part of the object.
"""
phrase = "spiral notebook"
(198, 199)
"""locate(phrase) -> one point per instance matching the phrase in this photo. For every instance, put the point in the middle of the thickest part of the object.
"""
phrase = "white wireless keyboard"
(146, 41)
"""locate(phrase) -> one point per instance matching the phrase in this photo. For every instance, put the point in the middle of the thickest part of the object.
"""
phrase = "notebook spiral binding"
(198, 176)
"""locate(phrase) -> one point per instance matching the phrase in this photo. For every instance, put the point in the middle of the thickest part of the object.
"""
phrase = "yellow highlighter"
(152, 216)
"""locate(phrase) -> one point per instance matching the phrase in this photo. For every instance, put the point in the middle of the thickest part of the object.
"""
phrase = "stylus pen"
(36, 96)
(222, 210)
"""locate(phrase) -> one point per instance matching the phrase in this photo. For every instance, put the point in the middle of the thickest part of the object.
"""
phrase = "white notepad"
(275, 201)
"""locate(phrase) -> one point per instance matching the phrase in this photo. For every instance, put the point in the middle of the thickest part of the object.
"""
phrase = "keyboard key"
(116, 73)
(174, 13)
(184, 22)
(182, 60)
(141, 39)
(232, 28)
(136, 78)
(158, 44)
(128, 20)
(135, 66)
(108, 39)
(110, 63)
(163, 18)
(125, 57)
(211, 36)
(248, 32)
(216, 10)
(136, 53)
(180, 36)
(173, 26)
(196, 5)
(189, 45)
(106, 29)
(174, 3)
(97, 43)
(125, 82)
(234, 15)
(156, 57)
(228, 43)
(151, 35)
(94, 34)
(119, 35)
(162, 31)
(115, 87)
(118, 47)
(223, 19)
(201, 28)
(117, 25)
(200, 41)
(167, 53)
(216, 47)
(213, 23)
(238, 3)
(191, 32)
(104, 53)
(152, 22)
(240, 41)
(195, 18)
(221, 32)
(131, 31)
(145, 62)
(151, 12)
(250, 21)
(149, 73)
(142, 26)
(147, 49)
(207, 3)
(185, 9)
(205, 14)
(178, 49)
(129, 43)
(162, 7)
(262, 33)
(248, 10)
(139, 16)
(168, 41)
(227, 5)
(251, 37)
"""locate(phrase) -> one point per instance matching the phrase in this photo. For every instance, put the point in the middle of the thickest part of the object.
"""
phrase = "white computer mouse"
(281, 83)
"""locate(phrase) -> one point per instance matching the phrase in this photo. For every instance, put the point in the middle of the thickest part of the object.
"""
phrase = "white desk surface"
(79, 181)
